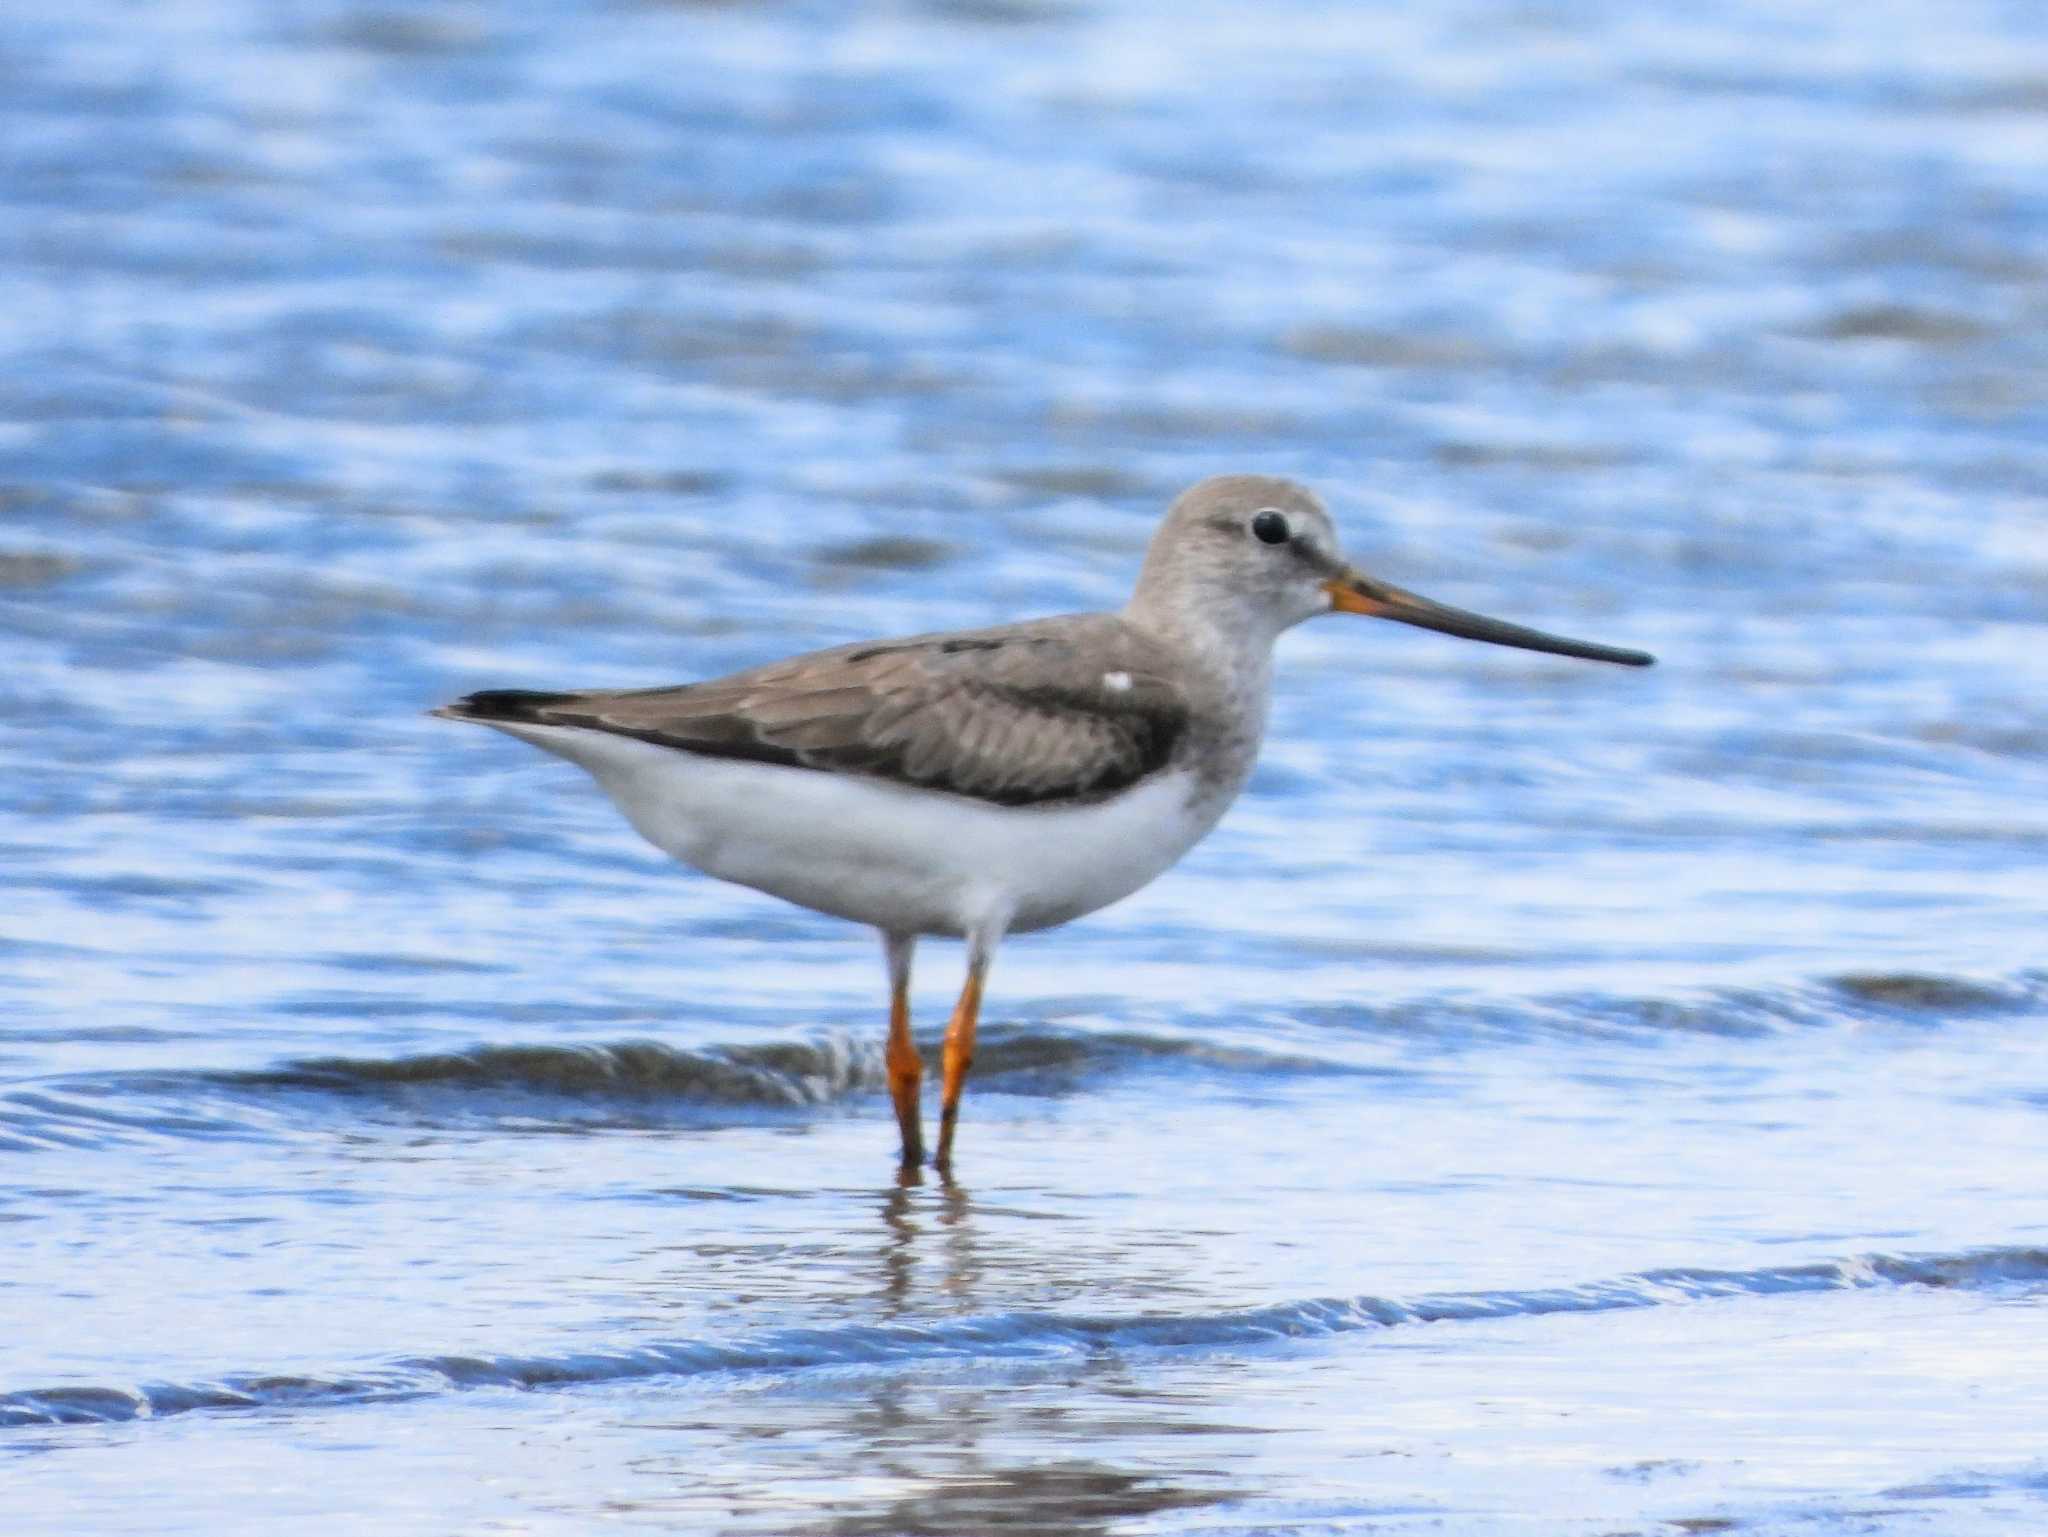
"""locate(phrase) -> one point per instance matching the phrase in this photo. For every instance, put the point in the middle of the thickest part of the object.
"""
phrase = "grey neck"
(1227, 676)
(1230, 646)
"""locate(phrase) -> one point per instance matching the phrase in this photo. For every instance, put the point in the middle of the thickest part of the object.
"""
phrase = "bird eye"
(1270, 527)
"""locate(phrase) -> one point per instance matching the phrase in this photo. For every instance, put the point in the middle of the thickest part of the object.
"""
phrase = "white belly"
(907, 861)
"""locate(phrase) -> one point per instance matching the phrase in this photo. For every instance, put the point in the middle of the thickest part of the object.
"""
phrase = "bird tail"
(503, 704)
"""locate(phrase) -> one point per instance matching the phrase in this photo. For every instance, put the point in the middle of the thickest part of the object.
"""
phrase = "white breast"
(905, 860)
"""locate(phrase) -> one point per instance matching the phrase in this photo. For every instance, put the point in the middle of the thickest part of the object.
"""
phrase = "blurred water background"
(1558, 1100)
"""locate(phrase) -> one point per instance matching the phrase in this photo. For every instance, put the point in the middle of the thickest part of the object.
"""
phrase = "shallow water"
(1557, 1100)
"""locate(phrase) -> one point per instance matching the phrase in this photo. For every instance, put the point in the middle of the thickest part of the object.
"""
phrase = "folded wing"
(1019, 715)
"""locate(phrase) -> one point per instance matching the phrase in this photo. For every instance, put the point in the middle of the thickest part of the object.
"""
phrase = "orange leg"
(959, 1055)
(906, 1068)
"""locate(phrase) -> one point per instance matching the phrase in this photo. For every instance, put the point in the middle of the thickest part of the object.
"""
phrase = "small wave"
(97, 1115)
(1854, 996)
(573, 1086)
(1873, 997)
(1935, 994)
(800, 1073)
(635, 1083)
(1016, 1336)
(1016, 1059)
(647, 1083)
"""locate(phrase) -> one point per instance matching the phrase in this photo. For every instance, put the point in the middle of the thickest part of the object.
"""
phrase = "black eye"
(1270, 527)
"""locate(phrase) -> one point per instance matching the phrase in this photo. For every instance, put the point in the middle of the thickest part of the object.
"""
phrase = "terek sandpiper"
(989, 782)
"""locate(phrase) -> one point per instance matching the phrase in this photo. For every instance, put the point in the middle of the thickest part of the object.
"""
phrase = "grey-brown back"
(1066, 709)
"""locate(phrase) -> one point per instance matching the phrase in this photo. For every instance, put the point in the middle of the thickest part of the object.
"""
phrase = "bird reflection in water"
(962, 1451)
(905, 1217)
(1063, 1444)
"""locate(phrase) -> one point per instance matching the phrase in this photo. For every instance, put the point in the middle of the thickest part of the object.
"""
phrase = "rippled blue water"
(1558, 1100)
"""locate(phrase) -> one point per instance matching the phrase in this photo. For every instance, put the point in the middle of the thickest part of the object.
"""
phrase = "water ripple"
(642, 1083)
(1013, 1336)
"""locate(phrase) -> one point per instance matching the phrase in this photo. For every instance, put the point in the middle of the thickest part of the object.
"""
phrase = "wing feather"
(1018, 715)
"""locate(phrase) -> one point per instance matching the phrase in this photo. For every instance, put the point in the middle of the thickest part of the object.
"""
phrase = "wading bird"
(989, 782)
